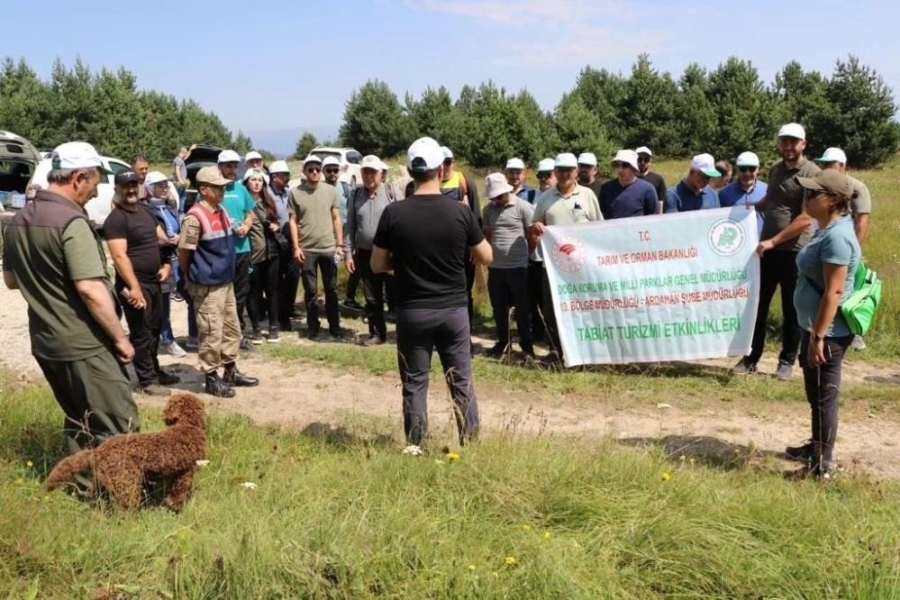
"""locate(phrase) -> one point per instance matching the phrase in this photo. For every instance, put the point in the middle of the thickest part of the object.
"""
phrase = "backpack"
(860, 308)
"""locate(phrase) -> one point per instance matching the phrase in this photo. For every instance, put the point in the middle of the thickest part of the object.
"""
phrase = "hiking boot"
(312, 335)
(154, 389)
(530, 359)
(497, 350)
(285, 326)
(245, 345)
(826, 471)
(373, 340)
(217, 387)
(335, 335)
(176, 297)
(784, 372)
(167, 378)
(802, 454)
(235, 378)
(273, 337)
(352, 304)
(256, 338)
(174, 349)
(744, 367)
(192, 345)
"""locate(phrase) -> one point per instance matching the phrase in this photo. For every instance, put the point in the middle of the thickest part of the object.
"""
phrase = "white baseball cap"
(706, 164)
(76, 155)
(311, 159)
(229, 156)
(545, 165)
(279, 166)
(833, 155)
(331, 161)
(629, 157)
(515, 164)
(448, 153)
(496, 185)
(256, 173)
(747, 159)
(425, 154)
(254, 155)
(644, 150)
(154, 177)
(371, 161)
(793, 130)
(566, 160)
(587, 158)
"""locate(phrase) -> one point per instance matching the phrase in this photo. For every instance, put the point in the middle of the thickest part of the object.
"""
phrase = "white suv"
(350, 160)
(99, 207)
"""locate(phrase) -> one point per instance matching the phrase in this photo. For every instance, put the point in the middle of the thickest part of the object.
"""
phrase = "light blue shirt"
(734, 195)
(681, 198)
(834, 245)
(342, 200)
(238, 203)
(282, 202)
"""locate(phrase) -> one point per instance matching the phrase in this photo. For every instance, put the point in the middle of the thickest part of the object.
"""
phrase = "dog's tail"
(66, 470)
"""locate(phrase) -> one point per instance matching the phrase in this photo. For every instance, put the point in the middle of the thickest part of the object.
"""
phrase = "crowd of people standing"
(245, 246)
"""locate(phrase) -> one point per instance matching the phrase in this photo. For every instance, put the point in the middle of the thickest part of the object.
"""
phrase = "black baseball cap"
(127, 177)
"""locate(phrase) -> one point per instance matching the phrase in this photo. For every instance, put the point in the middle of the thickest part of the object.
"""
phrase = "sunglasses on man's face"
(331, 171)
(544, 175)
(643, 159)
(746, 169)
(313, 170)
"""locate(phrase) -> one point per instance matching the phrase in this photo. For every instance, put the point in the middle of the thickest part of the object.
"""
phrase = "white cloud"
(561, 32)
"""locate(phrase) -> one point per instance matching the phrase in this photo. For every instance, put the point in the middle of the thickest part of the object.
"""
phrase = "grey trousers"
(508, 289)
(419, 332)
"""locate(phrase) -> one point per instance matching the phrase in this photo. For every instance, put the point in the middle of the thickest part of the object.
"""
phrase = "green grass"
(344, 515)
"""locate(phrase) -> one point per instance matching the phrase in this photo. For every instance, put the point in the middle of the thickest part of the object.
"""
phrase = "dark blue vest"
(214, 258)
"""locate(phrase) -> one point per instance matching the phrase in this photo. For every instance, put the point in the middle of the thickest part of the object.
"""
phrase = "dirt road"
(319, 399)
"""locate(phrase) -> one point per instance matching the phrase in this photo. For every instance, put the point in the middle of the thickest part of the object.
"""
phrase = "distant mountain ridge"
(283, 142)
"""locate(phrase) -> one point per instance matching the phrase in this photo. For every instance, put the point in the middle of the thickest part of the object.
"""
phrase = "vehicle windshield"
(14, 175)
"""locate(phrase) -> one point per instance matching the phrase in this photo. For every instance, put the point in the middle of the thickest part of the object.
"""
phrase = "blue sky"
(284, 65)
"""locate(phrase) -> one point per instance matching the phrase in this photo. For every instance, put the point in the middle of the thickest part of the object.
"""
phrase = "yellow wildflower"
(20, 481)
(29, 464)
(471, 567)
(666, 476)
(511, 561)
(526, 527)
(453, 457)
(547, 535)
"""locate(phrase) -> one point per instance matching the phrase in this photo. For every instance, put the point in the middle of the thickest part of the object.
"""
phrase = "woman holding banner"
(826, 279)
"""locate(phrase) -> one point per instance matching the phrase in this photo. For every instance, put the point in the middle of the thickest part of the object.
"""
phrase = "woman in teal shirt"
(826, 268)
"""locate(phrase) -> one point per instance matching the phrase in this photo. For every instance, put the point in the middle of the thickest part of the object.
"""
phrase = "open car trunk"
(18, 159)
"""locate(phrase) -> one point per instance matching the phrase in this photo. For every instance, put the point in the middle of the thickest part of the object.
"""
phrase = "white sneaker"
(175, 350)
(413, 450)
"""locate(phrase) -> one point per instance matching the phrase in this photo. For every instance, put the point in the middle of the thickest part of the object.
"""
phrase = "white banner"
(666, 287)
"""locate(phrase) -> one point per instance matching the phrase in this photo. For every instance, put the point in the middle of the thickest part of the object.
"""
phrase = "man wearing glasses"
(645, 161)
(747, 190)
(627, 195)
(565, 204)
(785, 232)
(693, 192)
(546, 178)
(317, 236)
(331, 170)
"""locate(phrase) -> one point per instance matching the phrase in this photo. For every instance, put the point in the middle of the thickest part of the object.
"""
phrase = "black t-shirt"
(427, 236)
(138, 228)
(595, 186)
(657, 181)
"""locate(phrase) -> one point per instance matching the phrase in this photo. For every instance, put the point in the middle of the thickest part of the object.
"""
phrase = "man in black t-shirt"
(645, 160)
(425, 240)
(134, 239)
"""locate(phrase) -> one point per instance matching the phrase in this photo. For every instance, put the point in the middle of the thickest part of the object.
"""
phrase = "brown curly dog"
(125, 463)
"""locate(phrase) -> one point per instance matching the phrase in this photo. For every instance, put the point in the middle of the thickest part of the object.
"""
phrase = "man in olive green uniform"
(51, 254)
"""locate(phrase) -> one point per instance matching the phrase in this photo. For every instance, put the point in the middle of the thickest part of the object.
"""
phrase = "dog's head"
(185, 409)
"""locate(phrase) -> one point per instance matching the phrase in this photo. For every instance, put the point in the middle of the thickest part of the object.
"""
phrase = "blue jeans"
(165, 330)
